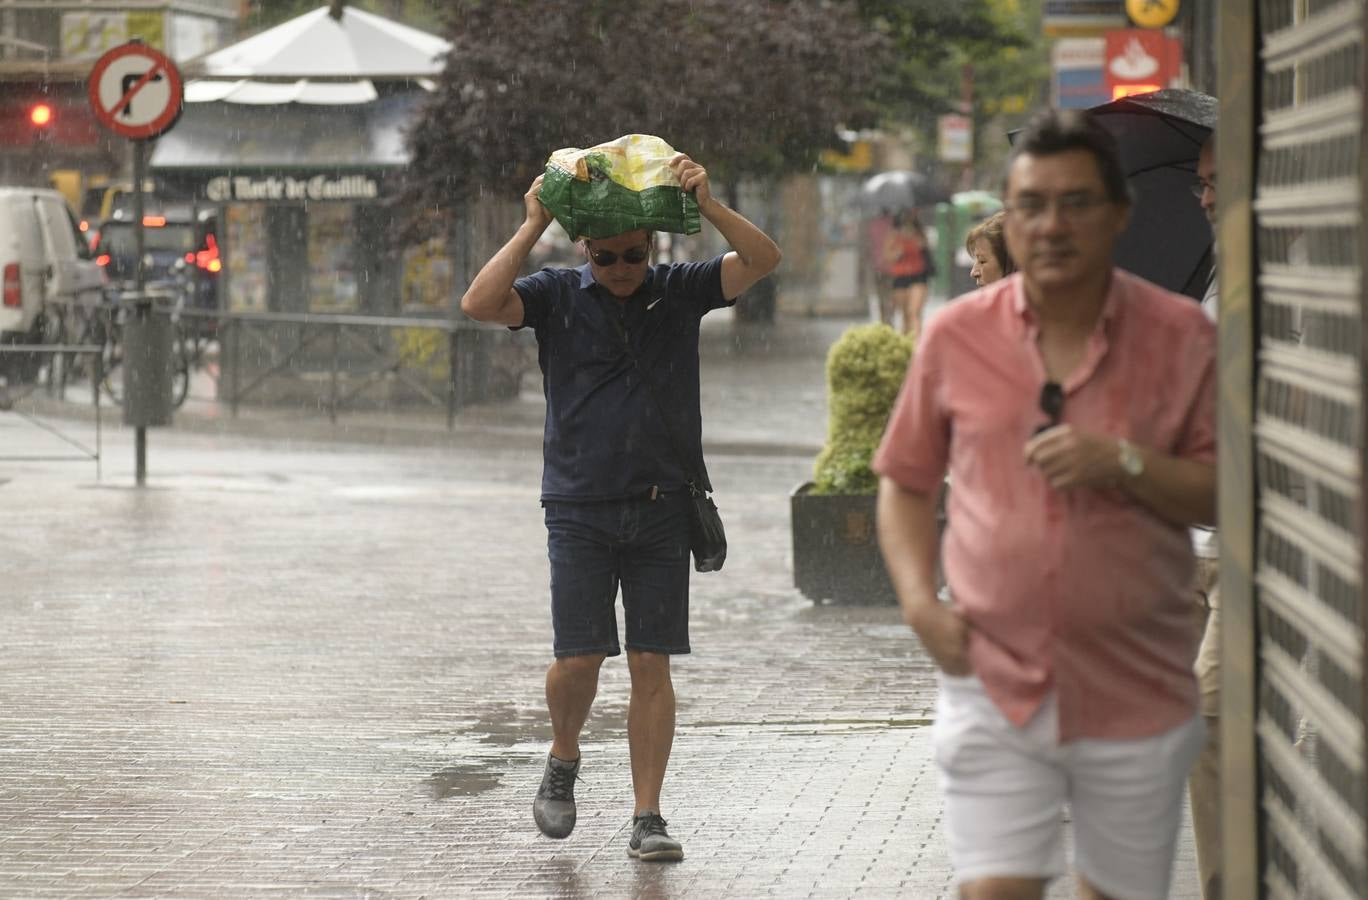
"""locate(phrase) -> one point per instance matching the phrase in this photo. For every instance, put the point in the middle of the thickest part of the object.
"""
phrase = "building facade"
(1292, 464)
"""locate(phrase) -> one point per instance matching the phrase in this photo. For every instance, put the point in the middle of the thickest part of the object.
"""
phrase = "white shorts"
(1005, 789)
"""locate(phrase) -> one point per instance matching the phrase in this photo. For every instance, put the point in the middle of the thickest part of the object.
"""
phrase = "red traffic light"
(40, 114)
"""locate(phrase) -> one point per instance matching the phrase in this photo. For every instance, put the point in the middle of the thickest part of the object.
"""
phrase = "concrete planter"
(836, 555)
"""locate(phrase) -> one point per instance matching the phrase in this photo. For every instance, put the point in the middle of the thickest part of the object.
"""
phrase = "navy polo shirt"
(604, 436)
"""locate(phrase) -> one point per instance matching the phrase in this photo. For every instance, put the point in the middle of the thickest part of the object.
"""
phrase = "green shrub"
(864, 369)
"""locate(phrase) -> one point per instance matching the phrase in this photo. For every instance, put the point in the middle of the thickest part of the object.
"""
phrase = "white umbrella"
(271, 93)
(310, 60)
(316, 45)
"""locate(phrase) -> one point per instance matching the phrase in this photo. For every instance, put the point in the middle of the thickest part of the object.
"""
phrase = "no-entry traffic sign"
(136, 91)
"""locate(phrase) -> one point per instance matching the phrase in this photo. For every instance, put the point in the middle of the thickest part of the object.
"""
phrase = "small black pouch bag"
(707, 539)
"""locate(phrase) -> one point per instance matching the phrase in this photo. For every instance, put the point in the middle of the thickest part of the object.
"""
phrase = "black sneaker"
(651, 842)
(554, 808)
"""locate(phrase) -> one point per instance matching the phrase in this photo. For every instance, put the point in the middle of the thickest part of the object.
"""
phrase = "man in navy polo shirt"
(613, 480)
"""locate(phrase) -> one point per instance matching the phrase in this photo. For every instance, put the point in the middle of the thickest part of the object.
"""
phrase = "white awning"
(223, 138)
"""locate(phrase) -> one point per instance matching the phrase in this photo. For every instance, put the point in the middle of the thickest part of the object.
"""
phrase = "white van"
(43, 260)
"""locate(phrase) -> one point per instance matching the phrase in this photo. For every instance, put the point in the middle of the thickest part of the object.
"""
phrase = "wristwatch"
(1132, 463)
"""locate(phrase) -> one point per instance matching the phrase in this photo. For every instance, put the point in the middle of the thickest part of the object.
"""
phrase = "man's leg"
(650, 726)
(1204, 797)
(1003, 889)
(571, 685)
(1127, 802)
(583, 589)
(1003, 788)
(584, 586)
(1204, 784)
(1087, 891)
(655, 600)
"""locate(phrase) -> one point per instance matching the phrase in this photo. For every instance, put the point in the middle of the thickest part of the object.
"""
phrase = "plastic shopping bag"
(620, 186)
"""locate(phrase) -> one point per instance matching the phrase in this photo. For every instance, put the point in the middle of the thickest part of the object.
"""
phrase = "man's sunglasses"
(1051, 404)
(633, 257)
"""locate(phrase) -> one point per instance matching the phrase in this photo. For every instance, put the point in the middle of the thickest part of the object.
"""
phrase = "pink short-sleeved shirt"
(1084, 592)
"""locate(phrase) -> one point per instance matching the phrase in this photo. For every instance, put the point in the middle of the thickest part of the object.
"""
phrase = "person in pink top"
(1072, 406)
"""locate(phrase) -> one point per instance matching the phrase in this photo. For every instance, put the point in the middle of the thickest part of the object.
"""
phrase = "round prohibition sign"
(136, 91)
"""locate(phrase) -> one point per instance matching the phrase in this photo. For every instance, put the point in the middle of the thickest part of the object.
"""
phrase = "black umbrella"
(1168, 240)
(1160, 135)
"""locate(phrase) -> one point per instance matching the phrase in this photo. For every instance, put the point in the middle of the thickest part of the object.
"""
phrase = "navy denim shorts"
(643, 545)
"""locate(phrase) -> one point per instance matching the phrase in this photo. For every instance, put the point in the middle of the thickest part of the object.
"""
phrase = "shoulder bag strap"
(695, 485)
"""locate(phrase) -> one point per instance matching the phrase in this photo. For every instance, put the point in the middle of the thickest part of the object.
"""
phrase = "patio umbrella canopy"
(328, 57)
(355, 44)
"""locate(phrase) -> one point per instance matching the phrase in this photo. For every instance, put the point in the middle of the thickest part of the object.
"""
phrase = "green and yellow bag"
(616, 187)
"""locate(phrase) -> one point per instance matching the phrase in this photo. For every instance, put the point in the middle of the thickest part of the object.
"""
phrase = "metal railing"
(56, 351)
(335, 359)
(354, 353)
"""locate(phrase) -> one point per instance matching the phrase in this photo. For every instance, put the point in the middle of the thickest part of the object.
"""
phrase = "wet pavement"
(303, 666)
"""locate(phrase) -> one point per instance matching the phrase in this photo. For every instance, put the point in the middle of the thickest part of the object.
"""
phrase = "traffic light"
(56, 115)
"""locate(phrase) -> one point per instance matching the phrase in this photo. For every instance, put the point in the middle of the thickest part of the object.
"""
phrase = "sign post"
(138, 93)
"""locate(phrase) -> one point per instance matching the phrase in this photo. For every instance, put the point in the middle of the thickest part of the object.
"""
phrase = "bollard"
(147, 366)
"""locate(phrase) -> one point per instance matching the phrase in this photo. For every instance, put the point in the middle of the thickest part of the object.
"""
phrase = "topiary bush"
(864, 370)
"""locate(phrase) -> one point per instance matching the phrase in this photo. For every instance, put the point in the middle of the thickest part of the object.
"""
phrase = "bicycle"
(84, 325)
(107, 331)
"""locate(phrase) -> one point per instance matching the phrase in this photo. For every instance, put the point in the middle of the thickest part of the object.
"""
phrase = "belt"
(655, 493)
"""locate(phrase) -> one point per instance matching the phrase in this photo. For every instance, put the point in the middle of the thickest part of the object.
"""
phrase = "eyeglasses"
(1072, 206)
(1051, 404)
(633, 257)
(1201, 186)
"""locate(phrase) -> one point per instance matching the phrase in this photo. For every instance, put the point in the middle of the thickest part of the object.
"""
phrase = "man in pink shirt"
(1072, 405)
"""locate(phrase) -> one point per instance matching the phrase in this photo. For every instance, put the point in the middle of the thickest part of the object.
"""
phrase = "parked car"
(43, 262)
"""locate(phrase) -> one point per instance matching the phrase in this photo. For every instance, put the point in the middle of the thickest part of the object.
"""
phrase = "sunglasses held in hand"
(633, 257)
(1051, 404)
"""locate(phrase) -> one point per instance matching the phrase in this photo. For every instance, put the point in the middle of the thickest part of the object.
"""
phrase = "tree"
(933, 40)
(992, 48)
(1008, 87)
(748, 87)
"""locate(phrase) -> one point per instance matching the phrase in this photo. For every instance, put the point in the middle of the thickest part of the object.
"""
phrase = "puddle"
(898, 632)
(805, 726)
(460, 781)
(377, 492)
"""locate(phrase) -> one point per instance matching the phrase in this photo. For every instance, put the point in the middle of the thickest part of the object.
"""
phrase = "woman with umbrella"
(906, 252)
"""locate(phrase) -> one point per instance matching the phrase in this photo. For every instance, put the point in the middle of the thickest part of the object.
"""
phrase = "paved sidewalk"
(314, 667)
